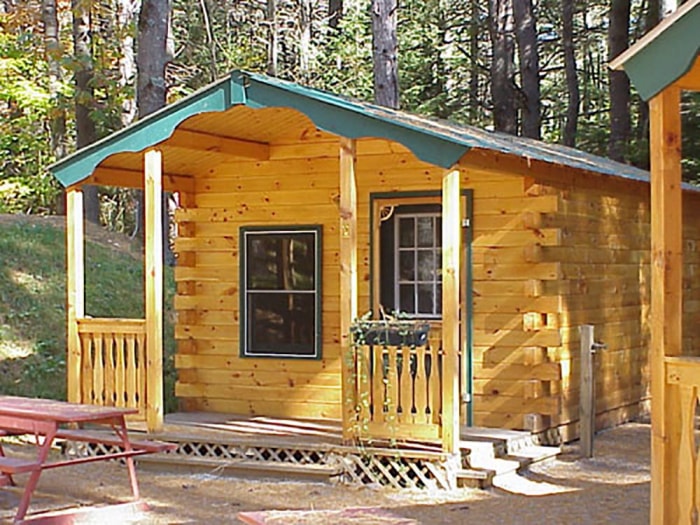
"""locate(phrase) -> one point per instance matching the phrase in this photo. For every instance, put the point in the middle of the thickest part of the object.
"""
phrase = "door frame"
(466, 299)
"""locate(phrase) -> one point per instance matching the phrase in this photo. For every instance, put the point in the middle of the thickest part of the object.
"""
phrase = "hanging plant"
(391, 330)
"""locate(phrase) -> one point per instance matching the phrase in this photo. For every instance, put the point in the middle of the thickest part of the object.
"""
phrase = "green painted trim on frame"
(469, 335)
(318, 267)
(469, 237)
(667, 58)
(144, 133)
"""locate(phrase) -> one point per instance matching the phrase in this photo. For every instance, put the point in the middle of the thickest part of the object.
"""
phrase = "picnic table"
(46, 419)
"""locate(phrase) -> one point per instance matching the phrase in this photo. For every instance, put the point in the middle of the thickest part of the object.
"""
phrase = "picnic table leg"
(5, 479)
(124, 435)
(33, 480)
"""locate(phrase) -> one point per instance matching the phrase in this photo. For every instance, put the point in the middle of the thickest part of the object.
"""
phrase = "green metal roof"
(437, 142)
(664, 54)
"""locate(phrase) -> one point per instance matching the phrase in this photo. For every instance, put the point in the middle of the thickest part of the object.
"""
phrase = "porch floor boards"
(263, 430)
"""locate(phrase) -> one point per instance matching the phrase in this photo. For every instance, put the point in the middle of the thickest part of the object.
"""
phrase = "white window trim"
(397, 249)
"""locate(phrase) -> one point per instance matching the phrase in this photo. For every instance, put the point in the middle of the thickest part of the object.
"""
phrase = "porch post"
(75, 285)
(348, 278)
(666, 299)
(451, 250)
(154, 288)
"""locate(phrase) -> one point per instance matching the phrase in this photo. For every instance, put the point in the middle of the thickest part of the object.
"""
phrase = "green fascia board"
(667, 58)
(150, 130)
(348, 119)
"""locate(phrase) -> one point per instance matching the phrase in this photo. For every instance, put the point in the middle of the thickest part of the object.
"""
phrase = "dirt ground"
(612, 487)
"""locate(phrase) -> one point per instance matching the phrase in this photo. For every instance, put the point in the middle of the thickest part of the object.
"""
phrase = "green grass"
(33, 299)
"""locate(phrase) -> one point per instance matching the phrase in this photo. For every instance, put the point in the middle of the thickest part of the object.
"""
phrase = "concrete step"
(486, 460)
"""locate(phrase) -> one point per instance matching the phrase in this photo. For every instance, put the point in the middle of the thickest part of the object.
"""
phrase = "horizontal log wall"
(513, 374)
(605, 281)
(289, 190)
(297, 189)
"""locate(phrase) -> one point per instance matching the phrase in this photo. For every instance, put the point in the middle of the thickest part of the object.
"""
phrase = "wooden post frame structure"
(75, 284)
(299, 211)
(118, 361)
(348, 277)
(661, 65)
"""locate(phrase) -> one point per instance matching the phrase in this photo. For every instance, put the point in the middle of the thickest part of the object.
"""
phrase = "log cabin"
(300, 210)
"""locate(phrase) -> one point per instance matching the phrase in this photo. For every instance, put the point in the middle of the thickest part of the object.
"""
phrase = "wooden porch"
(284, 447)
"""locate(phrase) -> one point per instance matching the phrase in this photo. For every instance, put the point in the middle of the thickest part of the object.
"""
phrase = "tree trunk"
(305, 17)
(618, 41)
(127, 62)
(273, 38)
(668, 7)
(335, 13)
(152, 55)
(57, 118)
(385, 53)
(474, 29)
(502, 66)
(526, 34)
(574, 97)
(151, 60)
(85, 130)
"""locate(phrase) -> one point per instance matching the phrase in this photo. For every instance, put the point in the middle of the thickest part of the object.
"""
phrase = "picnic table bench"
(43, 418)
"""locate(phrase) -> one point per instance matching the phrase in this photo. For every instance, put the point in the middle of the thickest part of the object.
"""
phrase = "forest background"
(72, 71)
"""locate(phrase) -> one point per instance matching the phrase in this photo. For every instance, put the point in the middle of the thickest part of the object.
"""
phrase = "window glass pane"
(281, 323)
(438, 231)
(426, 231)
(406, 299)
(261, 262)
(407, 264)
(438, 299)
(280, 261)
(427, 269)
(406, 232)
(426, 299)
(301, 262)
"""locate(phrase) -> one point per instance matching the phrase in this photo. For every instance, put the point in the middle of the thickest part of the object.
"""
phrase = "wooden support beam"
(451, 251)
(348, 278)
(666, 298)
(197, 141)
(122, 178)
(154, 288)
(75, 284)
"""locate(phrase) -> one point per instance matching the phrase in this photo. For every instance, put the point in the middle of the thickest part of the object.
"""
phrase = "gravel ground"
(612, 487)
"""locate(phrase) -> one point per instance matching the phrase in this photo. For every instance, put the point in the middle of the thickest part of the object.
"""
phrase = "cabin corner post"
(348, 280)
(153, 175)
(666, 300)
(451, 250)
(75, 284)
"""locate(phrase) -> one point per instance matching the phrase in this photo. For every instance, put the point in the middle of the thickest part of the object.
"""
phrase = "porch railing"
(113, 362)
(683, 386)
(399, 390)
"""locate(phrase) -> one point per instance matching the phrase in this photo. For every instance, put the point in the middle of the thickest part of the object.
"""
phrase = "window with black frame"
(281, 292)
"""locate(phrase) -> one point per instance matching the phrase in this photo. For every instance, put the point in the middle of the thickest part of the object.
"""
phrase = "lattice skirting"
(388, 467)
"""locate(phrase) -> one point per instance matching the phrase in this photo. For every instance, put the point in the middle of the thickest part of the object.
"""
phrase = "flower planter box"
(392, 333)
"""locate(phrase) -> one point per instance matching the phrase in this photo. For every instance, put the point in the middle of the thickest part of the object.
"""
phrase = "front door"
(406, 278)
